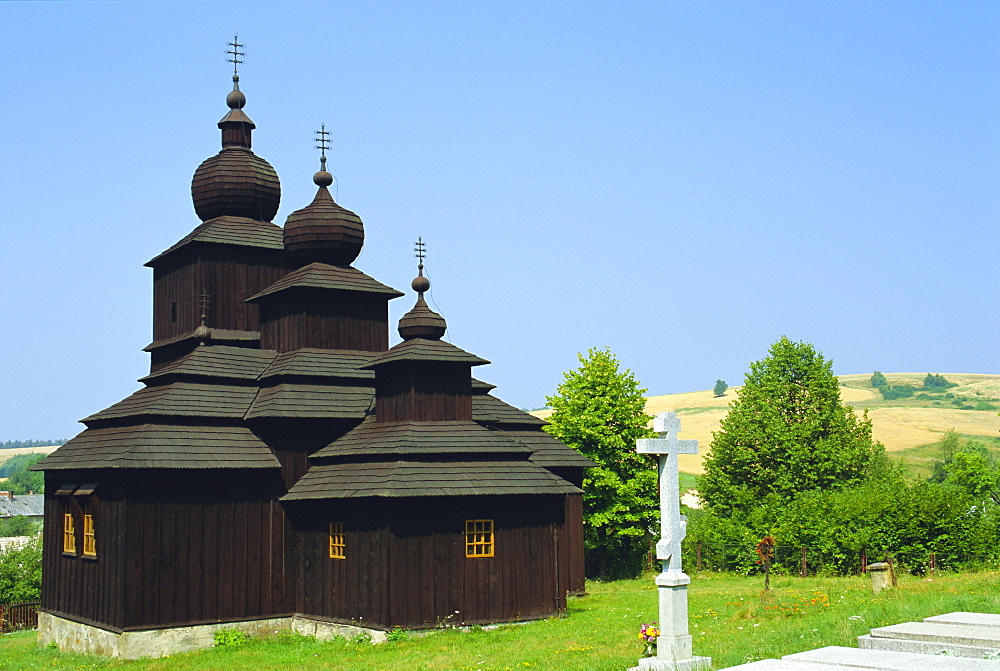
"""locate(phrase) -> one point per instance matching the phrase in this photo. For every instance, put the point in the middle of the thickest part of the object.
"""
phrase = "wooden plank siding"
(424, 391)
(324, 318)
(406, 563)
(168, 559)
(89, 590)
(228, 273)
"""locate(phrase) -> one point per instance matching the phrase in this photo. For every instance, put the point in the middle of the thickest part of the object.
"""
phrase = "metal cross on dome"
(322, 141)
(235, 52)
(421, 251)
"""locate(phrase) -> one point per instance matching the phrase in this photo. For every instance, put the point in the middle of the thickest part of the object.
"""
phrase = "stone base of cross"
(673, 646)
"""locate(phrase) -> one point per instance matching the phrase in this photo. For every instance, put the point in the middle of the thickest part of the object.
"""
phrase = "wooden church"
(283, 467)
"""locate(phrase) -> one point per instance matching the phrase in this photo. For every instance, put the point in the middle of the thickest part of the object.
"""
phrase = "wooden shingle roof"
(218, 336)
(480, 387)
(184, 399)
(230, 230)
(426, 478)
(312, 400)
(323, 276)
(420, 349)
(219, 361)
(547, 451)
(491, 410)
(378, 439)
(162, 446)
(311, 362)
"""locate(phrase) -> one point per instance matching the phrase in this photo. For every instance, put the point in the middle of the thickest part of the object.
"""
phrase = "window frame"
(69, 533)
(480, 539)
(89, 535)
(337, 545)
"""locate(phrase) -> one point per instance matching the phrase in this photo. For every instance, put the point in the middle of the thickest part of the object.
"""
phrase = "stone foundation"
(86, 639)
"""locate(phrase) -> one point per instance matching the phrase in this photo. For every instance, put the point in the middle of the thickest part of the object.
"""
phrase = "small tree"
(599, 410)
(720, 388)
(786, 432)
(878, 380)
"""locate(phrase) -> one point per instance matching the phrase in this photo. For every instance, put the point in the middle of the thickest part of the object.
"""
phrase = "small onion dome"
(421, 321)
(236, 182)
(202, 333)
(323, 231)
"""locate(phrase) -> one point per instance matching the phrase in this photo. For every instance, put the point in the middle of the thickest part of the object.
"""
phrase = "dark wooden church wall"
(573, 545)
(326, 319)
(203, 547)
(406, 563)
(84, 589)
(424, 391)
(292, 440)
(230, 275)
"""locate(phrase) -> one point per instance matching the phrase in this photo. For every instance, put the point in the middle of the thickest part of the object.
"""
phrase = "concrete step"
(970, 619)
(964, 640)
(889, 660)
(788, 665)
(867, 642)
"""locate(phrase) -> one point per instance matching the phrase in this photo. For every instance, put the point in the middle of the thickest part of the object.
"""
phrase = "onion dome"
(323, 231)
(421, 321)
(236, 182)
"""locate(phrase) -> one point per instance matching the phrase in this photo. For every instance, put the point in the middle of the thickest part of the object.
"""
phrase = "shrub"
(983, 405)
(896, 391)
(396, 634)
(230, 638)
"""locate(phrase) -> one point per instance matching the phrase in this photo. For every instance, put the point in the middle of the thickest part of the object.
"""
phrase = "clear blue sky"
(683, 182)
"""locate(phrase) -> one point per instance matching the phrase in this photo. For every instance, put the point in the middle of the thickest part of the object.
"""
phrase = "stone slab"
(888, 660)
(689, 664)
(788, 665)
(869, 642)
(934, 632)
(970, 619)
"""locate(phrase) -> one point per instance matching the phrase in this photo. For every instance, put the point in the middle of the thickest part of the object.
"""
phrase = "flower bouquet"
(648, 634)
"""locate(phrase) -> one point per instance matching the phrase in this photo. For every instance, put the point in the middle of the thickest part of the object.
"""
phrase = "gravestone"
(673, 647)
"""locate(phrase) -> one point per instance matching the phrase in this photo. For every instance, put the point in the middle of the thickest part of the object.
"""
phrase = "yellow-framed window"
(69, 534)
(338, 541)
(479, 538)
(89, 538)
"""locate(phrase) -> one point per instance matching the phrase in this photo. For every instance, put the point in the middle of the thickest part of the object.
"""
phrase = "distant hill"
(903, 425)
(14, 451)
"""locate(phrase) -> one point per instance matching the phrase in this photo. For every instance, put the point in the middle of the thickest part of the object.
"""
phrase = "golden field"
(900, 425)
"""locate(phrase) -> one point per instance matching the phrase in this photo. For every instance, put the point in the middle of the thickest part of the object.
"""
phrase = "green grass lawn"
(730, 622)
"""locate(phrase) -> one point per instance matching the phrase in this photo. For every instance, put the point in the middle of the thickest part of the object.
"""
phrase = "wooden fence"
(15, 616)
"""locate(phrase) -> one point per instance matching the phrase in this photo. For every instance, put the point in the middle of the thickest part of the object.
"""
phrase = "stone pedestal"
(880, 576)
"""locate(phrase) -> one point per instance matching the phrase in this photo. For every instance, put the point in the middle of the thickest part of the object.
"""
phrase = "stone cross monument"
(673, 647)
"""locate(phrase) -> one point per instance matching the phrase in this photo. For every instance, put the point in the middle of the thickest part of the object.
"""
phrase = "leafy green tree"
(878, 380)
(949, 446)
(599, 410)
(20, 479)
(720, 388)
(787, 432)
(21, 572)
(19, 525)
(976, 471)
(937, 382)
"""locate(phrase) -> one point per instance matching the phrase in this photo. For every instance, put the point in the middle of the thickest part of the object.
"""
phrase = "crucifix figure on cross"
(673, 646)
